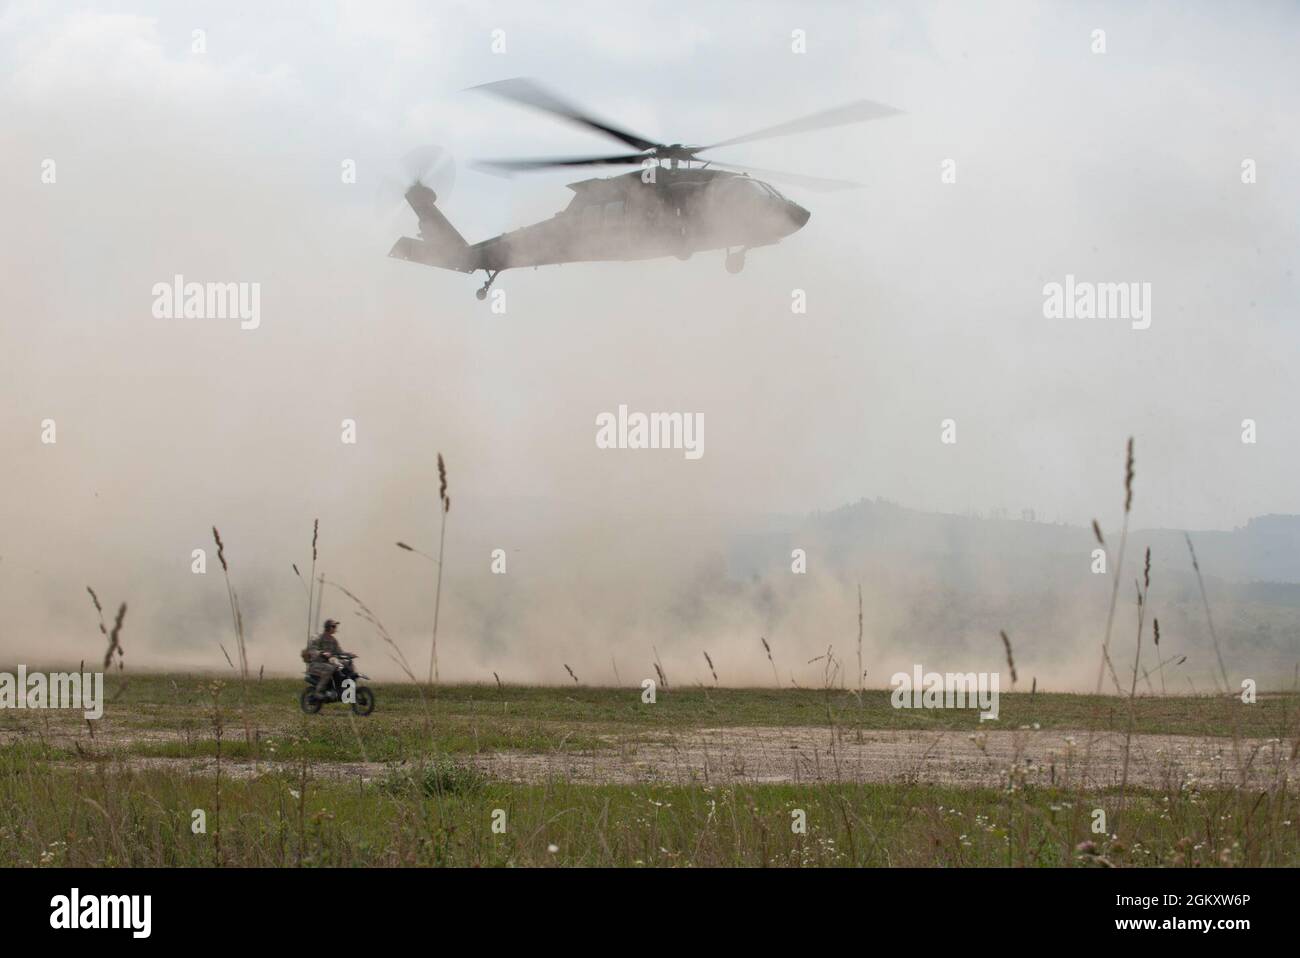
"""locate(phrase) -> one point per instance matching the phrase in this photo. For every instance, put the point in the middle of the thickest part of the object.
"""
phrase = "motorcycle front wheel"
(309, 701)
(365, 701)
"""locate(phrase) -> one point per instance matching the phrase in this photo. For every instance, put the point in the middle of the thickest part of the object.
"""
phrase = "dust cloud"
(924, 303)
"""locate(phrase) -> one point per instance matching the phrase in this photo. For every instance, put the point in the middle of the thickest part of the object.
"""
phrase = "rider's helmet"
(330, 625)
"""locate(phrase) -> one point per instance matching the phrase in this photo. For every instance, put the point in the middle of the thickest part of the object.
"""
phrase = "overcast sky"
(925, 298)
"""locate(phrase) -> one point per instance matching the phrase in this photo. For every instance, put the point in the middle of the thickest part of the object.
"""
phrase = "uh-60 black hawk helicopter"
(676, 204)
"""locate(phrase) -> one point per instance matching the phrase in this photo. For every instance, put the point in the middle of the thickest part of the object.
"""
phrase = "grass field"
(422, 781)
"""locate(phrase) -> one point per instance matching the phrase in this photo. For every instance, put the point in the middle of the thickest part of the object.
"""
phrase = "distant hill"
(1265, 550)
(940, 588)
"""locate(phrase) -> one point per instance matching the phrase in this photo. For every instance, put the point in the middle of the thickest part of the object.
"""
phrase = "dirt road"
(993, 758)
(811, 754)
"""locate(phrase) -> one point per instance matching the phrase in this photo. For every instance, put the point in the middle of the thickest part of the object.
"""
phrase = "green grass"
(171, 715)
(437, 817)
(67, 798)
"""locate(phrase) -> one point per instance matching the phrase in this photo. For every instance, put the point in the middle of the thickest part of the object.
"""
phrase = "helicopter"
(674, 204)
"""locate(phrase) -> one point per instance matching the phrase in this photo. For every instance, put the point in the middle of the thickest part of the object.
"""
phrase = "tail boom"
(439, 245)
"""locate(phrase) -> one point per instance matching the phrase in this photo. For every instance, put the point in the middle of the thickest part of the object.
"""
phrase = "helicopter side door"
(604, 228)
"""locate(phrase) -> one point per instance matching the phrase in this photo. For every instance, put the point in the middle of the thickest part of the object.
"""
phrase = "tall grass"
(1143, 589)
(438, 814)
(238, 619)
(1209, 619)
(394, 650)
(444, 504)
(768, 649)
(862, 675)
(311, 582)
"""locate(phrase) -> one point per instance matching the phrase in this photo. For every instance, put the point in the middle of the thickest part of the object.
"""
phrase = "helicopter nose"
(798, 215)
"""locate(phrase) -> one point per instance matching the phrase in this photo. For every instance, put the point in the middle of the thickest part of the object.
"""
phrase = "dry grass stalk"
(320, 596)
(395, 652)
(1196, 566)
(240, 646)
(1174, 660)
(570, 671)
(420, 552)
(1223, 671)
(1142, 590)
(1156, 627)
(659, 667)
(830, 666)
(315, 533)
(861, 673)
(445, 501)
(1011, 662)
(768, 649)
(100, 610)
(1106, 662)
(1129, 475)
(114, 639)
(711, 668)
(114, 643)
(305, 589)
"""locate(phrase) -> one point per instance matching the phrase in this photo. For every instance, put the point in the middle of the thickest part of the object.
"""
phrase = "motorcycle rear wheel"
(309, 701)
(365, 701)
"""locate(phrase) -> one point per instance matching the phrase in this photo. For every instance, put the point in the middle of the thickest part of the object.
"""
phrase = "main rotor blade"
(816, 183)
(854, 112)
(525, 91)
(545, 163)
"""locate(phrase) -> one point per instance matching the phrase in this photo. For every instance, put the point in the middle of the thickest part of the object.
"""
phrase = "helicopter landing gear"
(481, 294)
(736, 261)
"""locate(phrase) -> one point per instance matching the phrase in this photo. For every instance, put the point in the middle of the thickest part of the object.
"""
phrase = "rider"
(320, 650)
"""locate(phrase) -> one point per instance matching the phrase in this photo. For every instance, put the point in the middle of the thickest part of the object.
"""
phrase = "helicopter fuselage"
(678, 213)
(640, 215)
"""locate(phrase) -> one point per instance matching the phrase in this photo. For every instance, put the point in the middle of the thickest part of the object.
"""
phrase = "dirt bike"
(363, 701)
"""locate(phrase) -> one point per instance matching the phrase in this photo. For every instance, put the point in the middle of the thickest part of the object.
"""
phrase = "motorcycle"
(363, 699)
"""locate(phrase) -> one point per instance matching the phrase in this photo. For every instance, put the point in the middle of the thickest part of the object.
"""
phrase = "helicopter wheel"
(481, 294)
(735, 262)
